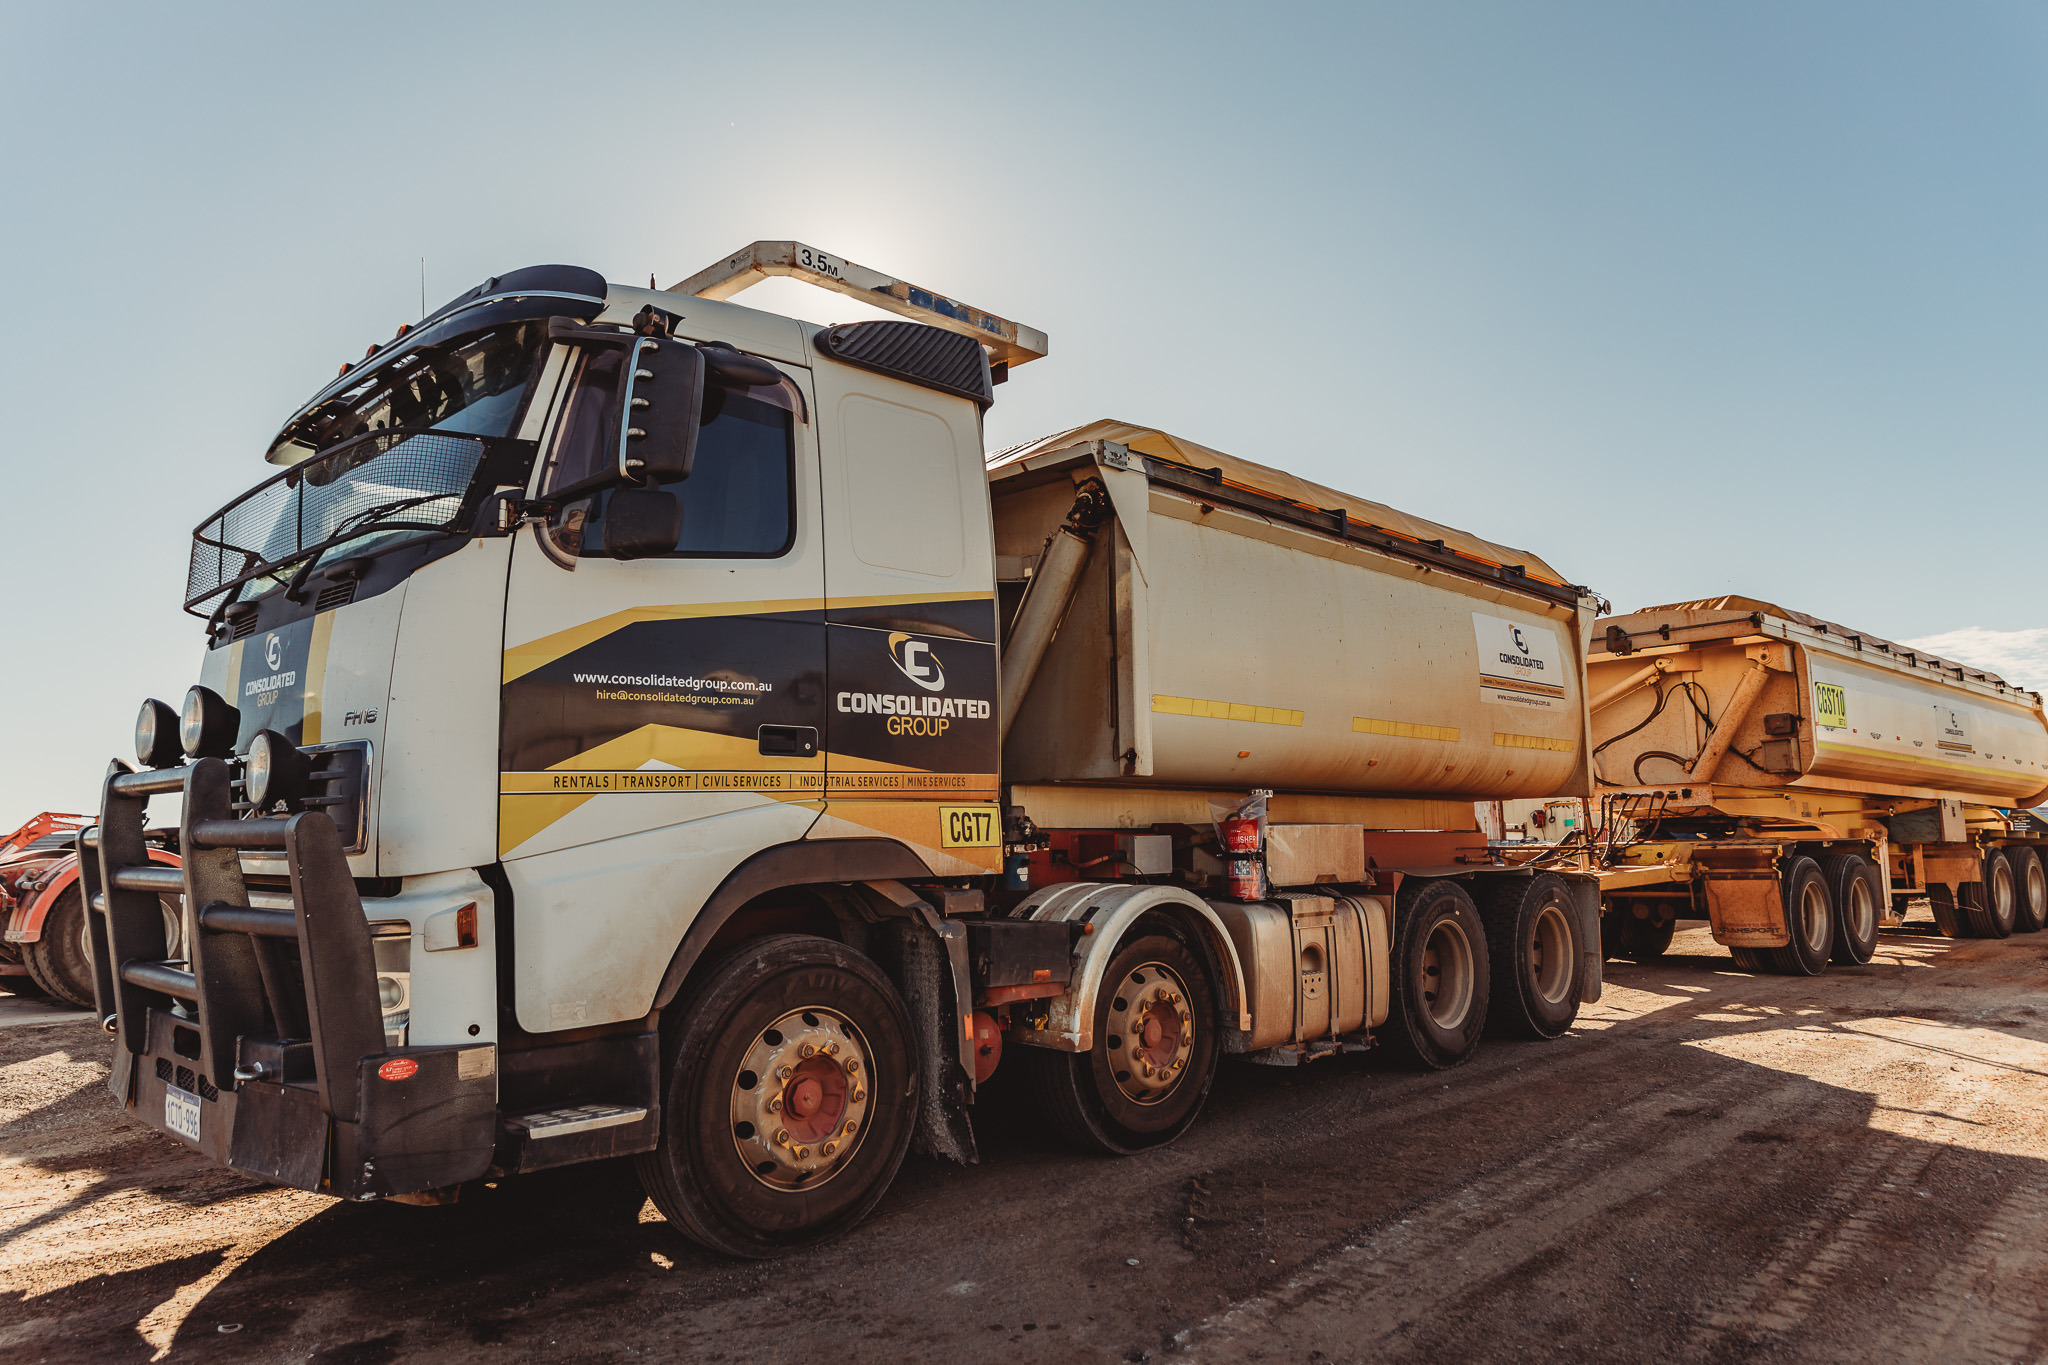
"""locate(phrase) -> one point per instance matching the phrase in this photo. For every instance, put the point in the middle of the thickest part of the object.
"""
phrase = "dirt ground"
(1711, 1166)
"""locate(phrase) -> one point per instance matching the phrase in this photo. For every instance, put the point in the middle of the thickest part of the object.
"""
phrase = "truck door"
(910, 602)
(662, 718)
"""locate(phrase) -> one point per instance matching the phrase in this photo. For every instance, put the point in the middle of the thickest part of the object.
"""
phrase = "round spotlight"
(208, 727)
(156, 735)
(276, 771)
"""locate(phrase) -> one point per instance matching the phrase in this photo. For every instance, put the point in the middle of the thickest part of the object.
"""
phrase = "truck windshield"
(407, 453)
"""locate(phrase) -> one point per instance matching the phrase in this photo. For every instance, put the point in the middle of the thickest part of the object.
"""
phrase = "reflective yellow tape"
(1223, 710)
(1556, 746)
(1401, 729)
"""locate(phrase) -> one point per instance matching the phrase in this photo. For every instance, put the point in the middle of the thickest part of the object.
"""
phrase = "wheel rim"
(2037, 890)
(1813, 914)
(1150, 1033)
(1550, 956)
(1860, 914)
(1447, 978)
(800, 1099)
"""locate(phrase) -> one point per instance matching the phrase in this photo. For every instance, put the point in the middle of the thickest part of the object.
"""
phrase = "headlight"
(156, 735)
(209, 725)
(276, 771)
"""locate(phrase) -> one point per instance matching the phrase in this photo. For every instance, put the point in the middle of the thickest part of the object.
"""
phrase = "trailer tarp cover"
(1276, 483)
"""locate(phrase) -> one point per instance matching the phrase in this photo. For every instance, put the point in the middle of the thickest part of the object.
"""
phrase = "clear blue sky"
(1688, 299)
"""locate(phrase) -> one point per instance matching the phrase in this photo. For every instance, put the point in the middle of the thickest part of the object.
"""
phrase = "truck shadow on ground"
(1626, 1191)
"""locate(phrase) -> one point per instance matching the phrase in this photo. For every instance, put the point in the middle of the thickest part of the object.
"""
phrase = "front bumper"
(265, 1047)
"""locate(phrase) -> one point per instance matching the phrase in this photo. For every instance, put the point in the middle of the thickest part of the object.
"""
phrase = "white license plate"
(181, 1112)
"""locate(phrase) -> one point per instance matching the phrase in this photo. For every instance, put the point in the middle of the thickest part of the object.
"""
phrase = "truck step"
(578, 1118)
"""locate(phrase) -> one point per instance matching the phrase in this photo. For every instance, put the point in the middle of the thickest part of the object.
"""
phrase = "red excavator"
(44, 947)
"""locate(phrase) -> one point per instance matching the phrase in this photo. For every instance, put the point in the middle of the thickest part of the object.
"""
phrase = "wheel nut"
(802, 1153)
(775, 1104)
(782, 1072)
(848, 1130)
(860, 1096)
(807, 1051)
(782, 1136)
(832, 1049)
(852, 1065)
(829, 1148)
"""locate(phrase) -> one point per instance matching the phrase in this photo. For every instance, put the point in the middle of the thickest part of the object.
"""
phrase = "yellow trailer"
(1798, 784)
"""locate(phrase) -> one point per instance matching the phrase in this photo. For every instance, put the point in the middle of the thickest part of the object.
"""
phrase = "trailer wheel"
(60, 961)
(1948, 916)
(2030, 882)
(1618, 931)
(790, 1098)
(1532, 942)
(1810, 915)
(1856, 892)
(1650, 933)
(1990, 907)
(1440, 976)
(1752, 959)
(1154, 1058)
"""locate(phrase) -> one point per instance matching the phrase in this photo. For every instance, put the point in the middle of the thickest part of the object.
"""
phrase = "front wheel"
(790, 1099)
(1440, 976)
(1154, 1058)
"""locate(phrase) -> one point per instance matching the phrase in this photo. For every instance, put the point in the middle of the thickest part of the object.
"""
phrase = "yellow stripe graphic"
(1555, 746)
(1223, 710)
(523, 659)
(1401, 729)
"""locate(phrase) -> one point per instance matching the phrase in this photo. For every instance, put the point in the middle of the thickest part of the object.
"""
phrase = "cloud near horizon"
(2018, 656)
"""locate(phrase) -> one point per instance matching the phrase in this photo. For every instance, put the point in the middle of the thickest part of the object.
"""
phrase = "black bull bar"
(271, 1026)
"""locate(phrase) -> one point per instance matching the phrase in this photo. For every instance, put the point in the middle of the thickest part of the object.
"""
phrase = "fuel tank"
(1234, 626)
(1774, 698)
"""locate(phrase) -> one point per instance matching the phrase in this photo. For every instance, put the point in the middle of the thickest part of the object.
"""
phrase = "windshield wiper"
(364, 519)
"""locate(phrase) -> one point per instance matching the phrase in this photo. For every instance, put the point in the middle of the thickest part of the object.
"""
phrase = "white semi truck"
(632, 723)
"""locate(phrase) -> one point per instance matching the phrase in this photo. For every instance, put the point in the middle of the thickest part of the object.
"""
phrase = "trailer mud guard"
(1109, 909)
(1586, 900)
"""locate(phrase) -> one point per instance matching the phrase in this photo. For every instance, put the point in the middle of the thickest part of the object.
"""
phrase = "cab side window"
(739, 501)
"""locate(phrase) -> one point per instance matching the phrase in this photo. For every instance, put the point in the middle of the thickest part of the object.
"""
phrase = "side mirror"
(661, 393)
(640, 523)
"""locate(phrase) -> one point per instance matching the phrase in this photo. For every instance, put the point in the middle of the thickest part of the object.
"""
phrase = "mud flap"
(1745, 899)
(1586, 902)
(917, 960)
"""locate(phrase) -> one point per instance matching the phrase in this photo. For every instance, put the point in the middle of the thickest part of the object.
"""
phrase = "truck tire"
(1948, 918)
(805, 1034)
(1854, 887)
(1990, 907)
(1810, 915)
(59, 961)
(1154, 1059)
(1440, 976)
(2030, 882)
(1649, 934)
(1617, 930)
(1532, 944)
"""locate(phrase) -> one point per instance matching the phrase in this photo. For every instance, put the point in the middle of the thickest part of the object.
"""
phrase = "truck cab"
(597, 750)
